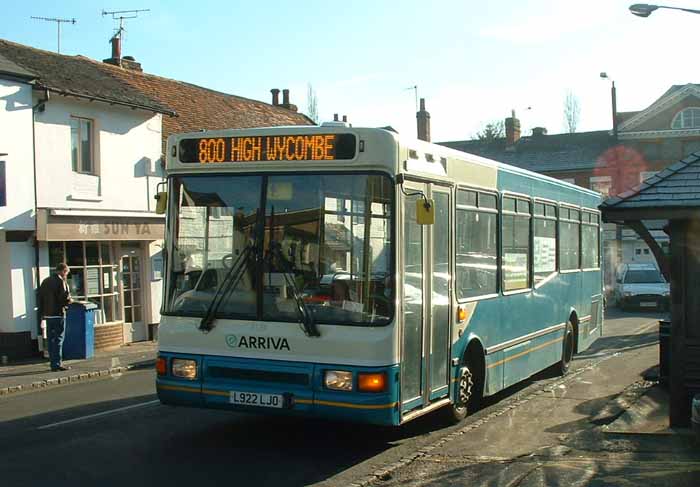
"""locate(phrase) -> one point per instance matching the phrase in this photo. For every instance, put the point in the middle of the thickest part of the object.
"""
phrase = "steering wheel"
(227, 260)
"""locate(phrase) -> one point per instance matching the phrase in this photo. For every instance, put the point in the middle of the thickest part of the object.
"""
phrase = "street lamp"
(613, 95)
(645, 10)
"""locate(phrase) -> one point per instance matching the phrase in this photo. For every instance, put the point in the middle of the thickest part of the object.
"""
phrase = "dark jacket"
(53, 297)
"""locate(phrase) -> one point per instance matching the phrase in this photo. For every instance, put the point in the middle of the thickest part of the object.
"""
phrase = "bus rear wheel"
(567, 349)
(467, 396)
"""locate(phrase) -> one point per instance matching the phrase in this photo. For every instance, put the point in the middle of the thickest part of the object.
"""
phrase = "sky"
(473, 61)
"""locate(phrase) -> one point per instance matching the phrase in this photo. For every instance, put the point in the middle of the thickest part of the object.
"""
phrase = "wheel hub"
(465, 385)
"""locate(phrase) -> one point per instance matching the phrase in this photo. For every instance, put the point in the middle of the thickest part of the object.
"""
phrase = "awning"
(81, 227)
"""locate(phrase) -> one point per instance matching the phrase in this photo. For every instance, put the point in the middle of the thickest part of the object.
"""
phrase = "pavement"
(585, 429)
(603, 424)
(35, 374)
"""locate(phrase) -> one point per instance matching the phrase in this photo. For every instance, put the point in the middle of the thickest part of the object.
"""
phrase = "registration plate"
(259, 399)
(648, 304)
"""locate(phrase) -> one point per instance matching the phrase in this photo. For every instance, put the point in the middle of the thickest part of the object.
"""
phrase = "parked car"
(641, 286)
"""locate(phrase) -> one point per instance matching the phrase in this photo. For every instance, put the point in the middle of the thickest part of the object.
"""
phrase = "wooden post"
(679, 407)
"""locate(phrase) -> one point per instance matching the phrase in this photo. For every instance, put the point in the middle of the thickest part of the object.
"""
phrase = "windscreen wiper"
(306, 317)
(230, 281)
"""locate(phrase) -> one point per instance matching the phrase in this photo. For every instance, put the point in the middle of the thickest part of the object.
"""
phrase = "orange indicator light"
(461, 314)
(161, 366)
(371, 382)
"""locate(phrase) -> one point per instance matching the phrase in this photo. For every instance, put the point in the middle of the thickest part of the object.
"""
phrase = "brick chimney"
(423, 118)
(116, 58)
(275, 96)
(126, 62)
(512, 131)
(285, 101)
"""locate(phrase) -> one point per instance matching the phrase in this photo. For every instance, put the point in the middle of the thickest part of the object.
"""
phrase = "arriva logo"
(258, 343)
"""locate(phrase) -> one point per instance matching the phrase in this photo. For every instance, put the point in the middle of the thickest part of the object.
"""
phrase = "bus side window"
(477, 245)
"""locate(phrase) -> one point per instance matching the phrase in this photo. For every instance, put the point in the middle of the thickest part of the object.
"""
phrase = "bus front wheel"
(567, 349)
(467, 396)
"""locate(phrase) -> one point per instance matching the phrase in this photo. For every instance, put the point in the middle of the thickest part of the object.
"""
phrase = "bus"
(354, 274)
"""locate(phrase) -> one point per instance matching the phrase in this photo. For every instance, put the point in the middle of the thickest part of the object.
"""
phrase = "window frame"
(112, 264)
(695, 119)
(477, 209)
(555, 219)
(3, 182)
(595, 224)
(568, 207)
(503, 213)
(78, 166)
(600, 179)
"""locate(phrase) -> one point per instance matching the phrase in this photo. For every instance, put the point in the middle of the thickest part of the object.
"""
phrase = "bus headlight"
(338, 380)
(185, 368)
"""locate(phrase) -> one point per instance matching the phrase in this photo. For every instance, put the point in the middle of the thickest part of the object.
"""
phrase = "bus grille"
(258, 375)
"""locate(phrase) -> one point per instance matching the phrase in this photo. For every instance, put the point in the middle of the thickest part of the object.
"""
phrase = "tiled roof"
(676, 186)
(76, 76)
(544, 153)
(8, 67)
(201, 108)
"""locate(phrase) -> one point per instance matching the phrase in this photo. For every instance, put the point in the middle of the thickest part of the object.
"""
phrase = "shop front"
(114, 260)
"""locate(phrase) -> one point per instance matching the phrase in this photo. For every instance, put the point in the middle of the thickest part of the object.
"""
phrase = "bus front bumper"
(277, 387)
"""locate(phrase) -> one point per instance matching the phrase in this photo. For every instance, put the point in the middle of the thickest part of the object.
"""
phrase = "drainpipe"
(39, 107)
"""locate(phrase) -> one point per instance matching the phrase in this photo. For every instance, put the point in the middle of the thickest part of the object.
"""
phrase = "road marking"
(103, 413)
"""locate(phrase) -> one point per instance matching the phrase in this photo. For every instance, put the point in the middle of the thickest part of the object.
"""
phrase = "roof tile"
(77, 76)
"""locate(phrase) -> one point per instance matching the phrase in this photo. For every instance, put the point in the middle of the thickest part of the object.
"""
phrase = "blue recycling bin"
(79, 342)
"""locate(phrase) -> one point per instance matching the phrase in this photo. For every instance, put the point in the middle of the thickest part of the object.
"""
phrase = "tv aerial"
(122, 15)
(58, 26)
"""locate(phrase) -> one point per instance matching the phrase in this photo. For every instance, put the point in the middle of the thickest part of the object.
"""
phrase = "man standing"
(54, 298)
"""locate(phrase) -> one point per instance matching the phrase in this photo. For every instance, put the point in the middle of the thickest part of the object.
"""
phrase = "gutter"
(111, 102)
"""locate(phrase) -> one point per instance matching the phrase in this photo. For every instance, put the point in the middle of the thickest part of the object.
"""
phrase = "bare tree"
(311, 103)
(572, 112)
(491, 131)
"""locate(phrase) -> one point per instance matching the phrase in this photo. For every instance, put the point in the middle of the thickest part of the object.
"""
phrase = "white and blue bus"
(351, 273)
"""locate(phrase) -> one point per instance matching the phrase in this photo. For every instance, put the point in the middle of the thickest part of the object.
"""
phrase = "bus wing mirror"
(425, 211)
(161, 202)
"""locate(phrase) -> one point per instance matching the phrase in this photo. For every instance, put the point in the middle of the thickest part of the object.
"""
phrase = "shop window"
(93, 275)
(82, 146)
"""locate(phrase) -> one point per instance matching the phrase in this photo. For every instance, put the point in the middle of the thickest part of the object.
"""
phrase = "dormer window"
(688, 118)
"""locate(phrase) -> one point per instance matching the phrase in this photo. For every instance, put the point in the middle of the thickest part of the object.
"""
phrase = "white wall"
(17, 287)
(16, 142)
(126, 141)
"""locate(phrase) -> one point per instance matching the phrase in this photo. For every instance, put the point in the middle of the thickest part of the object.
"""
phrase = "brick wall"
(109, 336)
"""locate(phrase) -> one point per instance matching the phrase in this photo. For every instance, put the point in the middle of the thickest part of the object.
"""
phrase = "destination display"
(314, 147)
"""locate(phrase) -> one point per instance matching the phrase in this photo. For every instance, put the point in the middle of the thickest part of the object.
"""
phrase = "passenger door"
(426, 299)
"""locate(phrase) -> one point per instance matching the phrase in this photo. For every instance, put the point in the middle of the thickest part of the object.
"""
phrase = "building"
(17, 281)
(647, 141)
(673, 195)
(81, 164)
